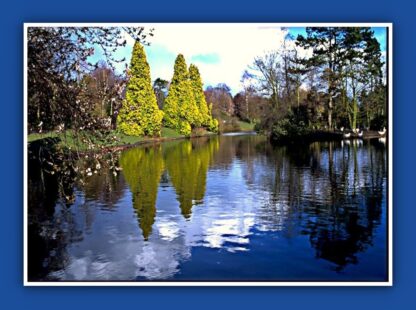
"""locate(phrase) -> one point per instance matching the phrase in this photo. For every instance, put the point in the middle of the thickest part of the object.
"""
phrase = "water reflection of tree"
(285, 181)
(248, 149)
(343, 221)
(52, 223)
(225, 155)
(331, 193)
(187, 163)
(142, 169)
(104, 188)
(46, 233)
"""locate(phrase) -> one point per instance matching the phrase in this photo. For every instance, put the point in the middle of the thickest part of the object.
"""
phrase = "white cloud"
(235, 45)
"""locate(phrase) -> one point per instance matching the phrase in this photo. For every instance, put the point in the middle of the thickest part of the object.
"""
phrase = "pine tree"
(198, 92)
(181, 111)
(326, 45)
(140, 114)
(205, 116)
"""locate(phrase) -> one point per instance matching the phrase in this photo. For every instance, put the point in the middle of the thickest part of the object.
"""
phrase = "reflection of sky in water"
(238, 206)
(119, 252)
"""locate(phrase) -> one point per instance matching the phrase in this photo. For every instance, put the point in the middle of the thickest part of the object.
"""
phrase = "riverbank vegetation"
(333, 78)
(320, 83)
(88, 106)
(82, 111)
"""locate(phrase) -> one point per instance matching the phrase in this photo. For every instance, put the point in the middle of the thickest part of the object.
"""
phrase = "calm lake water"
(232, 207)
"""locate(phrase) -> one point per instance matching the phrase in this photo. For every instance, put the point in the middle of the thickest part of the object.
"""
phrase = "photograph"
(207, 154)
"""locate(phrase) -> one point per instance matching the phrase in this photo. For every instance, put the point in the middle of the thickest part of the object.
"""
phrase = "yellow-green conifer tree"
(140, 114)
(205, 117)
(181, 111)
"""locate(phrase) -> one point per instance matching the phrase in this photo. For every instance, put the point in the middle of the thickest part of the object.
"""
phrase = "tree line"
(67, 91)
(341, 83)
(184, 108)
(330, 78)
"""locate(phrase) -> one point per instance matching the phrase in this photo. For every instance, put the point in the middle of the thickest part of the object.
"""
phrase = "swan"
(381, 133)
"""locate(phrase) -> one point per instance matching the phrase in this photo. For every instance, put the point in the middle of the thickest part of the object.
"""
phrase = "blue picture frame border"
(14, 295)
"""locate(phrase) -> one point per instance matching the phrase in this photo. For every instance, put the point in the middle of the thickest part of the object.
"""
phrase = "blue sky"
(222, 52)
(379, 33)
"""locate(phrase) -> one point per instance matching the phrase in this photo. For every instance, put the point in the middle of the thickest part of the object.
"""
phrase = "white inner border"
(229, 283)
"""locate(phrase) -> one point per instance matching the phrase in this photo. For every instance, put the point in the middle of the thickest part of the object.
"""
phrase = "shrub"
(185, 128)
(289, 128)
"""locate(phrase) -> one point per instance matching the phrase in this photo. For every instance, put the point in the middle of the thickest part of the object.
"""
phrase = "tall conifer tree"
(181, 112)
(205, 117)
(140, 114)
(326, 45)
(198, 91)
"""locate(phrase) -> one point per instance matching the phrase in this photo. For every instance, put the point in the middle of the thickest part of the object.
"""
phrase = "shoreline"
(321, 135)
(115, 148)
(122, 147)
(311, 137)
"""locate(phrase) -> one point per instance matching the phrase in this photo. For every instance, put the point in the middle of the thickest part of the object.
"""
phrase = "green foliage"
(244, 126)
(142, 169)
(205, 112)
(185, 128)
(289, 128)
(77, 141)
(350, 62)
(140, 114)
(226, 123)
(185, 106)
(204, 117)
(180, 108)
(213, 125)
(38, 136)
(170, 133)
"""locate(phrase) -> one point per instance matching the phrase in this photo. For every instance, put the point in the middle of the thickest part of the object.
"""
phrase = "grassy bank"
(86, 141)
(244, 126)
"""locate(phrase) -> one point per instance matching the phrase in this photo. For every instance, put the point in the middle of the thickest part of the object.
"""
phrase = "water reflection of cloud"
(161, 260)
(233, 230)
(236, 204)
(168, 230)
